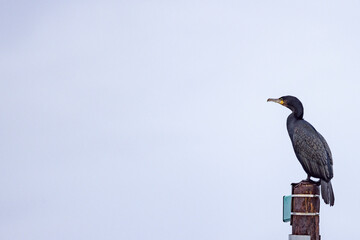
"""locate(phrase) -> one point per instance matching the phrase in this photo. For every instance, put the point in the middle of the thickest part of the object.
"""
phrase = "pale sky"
(148, 120)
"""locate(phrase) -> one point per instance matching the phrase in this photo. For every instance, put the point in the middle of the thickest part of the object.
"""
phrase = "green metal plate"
(286, 208)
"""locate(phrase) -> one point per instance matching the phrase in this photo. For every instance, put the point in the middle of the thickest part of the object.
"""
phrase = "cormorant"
(310, 147)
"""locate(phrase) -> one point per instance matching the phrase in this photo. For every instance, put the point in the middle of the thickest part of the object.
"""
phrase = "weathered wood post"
(305, 209)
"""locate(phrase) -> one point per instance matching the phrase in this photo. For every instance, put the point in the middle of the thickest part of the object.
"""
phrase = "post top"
(306, 182)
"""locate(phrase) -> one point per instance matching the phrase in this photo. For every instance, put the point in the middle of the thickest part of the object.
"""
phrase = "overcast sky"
(139, 120)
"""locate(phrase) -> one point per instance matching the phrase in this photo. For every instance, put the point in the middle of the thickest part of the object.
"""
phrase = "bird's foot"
(311, 181)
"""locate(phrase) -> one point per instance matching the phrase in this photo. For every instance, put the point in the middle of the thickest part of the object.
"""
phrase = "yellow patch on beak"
(282, 102)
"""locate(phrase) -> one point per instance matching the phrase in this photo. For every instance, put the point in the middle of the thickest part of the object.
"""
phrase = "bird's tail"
(327, 192)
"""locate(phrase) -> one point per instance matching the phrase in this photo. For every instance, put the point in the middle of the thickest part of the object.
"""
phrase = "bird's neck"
(290, 124)
(297, 112)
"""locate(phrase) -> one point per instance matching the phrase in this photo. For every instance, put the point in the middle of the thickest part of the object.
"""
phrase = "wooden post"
(305, 209)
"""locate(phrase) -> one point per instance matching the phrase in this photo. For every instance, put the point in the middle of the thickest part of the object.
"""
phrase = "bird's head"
(290, 102)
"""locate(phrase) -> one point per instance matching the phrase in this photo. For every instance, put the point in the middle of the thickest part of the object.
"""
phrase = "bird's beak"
(279, 100)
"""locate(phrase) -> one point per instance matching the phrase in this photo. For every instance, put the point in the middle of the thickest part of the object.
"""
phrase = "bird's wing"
(327, 148)
(311, 152)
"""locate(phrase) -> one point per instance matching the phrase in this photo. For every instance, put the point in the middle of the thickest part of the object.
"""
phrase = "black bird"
(310, 147)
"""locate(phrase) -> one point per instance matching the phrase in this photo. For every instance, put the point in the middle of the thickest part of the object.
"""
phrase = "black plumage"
(310, 147)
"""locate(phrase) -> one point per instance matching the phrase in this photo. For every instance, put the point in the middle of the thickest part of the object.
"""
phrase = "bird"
(311, 148)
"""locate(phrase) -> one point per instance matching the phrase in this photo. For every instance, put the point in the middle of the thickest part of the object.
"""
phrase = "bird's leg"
(311, 181)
